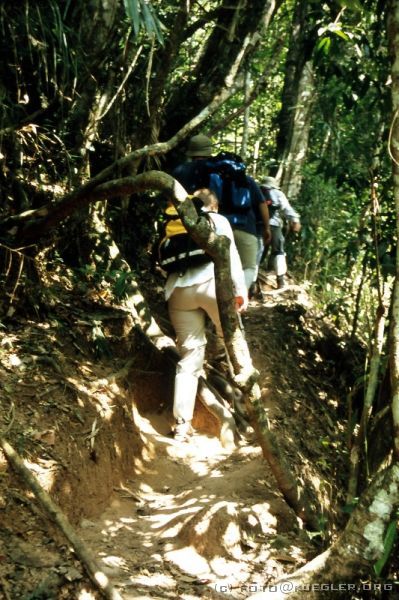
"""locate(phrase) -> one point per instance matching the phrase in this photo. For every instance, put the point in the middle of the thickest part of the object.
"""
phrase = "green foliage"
(337, 251)
(328, 245)
(390, 538)
(39, 66)
(122, 281)
(48, 66)
(142, 15)
(100, 343)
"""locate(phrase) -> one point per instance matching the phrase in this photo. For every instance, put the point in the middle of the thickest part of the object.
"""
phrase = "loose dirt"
(88, 406)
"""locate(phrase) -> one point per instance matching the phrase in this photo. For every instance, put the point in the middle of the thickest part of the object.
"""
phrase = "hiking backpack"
(228, 179)
(177, 251)
(266, 193)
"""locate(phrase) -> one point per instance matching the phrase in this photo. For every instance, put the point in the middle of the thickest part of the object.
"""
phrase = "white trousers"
(188, 307)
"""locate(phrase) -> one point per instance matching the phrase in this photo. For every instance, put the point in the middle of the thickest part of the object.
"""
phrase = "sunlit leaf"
(323, 45)
(389, 541)
(341, 34)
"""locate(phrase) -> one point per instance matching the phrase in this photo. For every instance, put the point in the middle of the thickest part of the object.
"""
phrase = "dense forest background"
(98, 99)
(301, 90)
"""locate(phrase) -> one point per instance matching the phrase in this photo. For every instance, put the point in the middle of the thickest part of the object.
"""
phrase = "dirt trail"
(194, 521)
(165, 520)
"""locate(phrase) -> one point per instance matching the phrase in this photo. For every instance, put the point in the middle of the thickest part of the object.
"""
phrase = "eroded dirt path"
(184, 520)
(195, 521)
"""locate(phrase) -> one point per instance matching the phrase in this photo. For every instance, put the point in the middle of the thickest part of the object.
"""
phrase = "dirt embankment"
(88, 406)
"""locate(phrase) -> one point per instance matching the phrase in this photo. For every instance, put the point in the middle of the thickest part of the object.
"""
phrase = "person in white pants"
(191, 297)
(279, 209)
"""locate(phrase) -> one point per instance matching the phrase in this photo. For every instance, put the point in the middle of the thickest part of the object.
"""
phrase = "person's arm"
(290, 214)
(264, 213)
(260, 205)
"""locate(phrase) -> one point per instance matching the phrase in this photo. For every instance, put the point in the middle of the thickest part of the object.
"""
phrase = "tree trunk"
(95, 24)
(299, 52)
(355, 552)
(360, 442)
(290, 172)
(246, 119)
(393, 41)
(235, 36)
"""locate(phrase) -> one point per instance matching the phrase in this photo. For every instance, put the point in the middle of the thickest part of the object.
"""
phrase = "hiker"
(280, 210)
(191, 296)
(202, 171)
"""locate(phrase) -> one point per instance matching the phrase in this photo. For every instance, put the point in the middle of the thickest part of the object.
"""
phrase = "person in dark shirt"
(194, 174)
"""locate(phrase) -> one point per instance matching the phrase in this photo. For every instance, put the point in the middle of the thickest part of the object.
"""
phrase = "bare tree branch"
(12, 225)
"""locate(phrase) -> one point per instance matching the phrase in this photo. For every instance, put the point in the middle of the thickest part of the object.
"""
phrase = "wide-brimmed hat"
(270, 182)
(199, 145)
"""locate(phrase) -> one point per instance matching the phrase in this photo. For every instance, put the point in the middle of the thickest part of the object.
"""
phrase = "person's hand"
(267, 236)
(295, 226)
(241, 303)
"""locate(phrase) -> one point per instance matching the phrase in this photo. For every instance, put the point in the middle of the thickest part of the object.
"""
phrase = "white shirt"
(281, 208)
(196, 275)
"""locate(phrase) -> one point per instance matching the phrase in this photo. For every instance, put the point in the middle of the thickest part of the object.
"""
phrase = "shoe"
(253, 290)
(183, 431)
(281, 284)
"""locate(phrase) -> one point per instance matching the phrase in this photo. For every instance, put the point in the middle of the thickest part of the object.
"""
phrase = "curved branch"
(30, 226)
(12, 224)
(218, 247)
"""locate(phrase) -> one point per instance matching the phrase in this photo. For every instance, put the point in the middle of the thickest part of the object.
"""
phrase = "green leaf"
(133, 12)
(141, 14)
(151, 20)
(341, 34)
(351, 4)
(389, 541)
(324, 45)
(158, 29)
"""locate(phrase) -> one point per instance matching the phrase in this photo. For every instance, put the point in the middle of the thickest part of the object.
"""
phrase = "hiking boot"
(183, 431)
(281, 284)
(254, 291)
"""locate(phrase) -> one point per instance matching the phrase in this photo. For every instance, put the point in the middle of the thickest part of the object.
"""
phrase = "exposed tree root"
(97, 576)
(209, 398)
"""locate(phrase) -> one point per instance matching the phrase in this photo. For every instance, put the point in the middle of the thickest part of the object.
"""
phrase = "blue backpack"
(228, 179)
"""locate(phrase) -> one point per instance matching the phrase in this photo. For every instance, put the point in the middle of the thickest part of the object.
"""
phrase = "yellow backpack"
(177, 251)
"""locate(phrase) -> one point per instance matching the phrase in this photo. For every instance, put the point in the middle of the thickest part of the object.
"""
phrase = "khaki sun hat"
(199, 145)
(270, 182)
